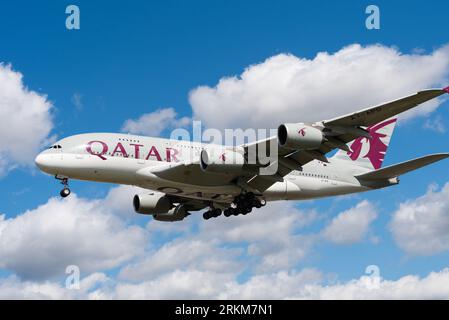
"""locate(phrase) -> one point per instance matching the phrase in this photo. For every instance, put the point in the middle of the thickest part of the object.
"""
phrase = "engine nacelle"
(154, 203)
(221, 161)
(299, 136)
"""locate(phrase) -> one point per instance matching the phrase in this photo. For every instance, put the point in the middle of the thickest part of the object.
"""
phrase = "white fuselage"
(132, 160)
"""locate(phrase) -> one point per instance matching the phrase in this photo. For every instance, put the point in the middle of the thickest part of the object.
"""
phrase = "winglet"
(446, 89)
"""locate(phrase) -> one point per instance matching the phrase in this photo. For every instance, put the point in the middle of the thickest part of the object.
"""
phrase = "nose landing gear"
(65, 192)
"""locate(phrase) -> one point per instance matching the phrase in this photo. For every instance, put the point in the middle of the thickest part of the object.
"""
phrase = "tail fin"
(370, 153)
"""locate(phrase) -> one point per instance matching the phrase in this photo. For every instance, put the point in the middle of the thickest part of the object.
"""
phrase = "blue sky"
(132, 58)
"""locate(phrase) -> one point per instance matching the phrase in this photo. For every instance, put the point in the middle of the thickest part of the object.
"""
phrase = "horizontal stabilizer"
(401, 168)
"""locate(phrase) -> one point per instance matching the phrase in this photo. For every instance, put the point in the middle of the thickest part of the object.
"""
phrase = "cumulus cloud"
(433, 286)
(185, 254)
(421, 226)
(203, 284)
(205, 260)
(25, 120)
(197, 284)
(40, 243)
(177, 284)
(435, 124)
(290, 88)
(273, 234)
(76, 100)
(154, 123)
(268, 240)
(351, 225)
(15, 288)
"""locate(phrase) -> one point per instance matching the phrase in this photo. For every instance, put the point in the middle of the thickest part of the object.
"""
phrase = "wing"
(376, 114)
(338, 132)
(188, 203)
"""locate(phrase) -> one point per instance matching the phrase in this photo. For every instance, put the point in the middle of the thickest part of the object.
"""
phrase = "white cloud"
(154, 123)
(420, 226)
(14, 288)
(189, 284)
(433, 286)
(119, 201)
(204, 262)
(272, 234)
(306, 284)
(435, 124)
(77, 100)
(351, 225)
(279, 285)
(267, 239)
(25, 120)
(40, 243)
(185, 254)
(203, 284)
(289, 88)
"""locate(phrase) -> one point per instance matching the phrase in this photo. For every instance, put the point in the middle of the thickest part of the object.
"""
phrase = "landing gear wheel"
(206, 215)
(217, 213)
(65, 192)
(228, 212)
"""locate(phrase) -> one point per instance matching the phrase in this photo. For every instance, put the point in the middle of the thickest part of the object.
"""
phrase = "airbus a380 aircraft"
(222, 179)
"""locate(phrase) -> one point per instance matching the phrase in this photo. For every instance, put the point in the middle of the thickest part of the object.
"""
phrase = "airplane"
(220, 177)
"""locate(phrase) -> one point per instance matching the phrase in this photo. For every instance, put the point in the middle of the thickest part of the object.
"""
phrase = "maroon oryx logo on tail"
(377, 147)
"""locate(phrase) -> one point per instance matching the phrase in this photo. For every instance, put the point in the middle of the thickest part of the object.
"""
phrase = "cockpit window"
(56, 146)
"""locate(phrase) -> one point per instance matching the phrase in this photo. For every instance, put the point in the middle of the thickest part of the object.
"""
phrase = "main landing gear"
(65, 192)
(212, 213)
(243, 204)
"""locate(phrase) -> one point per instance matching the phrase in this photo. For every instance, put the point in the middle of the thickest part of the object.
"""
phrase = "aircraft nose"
(40, 161)
(49, 162)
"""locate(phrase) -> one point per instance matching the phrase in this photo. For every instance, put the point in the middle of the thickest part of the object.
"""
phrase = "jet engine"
(152, 203)
(299, 136)
(221, 161)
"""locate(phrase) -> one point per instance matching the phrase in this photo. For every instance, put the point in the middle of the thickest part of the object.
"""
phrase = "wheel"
(263, 202)
(256, 203)
(65, 192)
(217, 213)
(248, 210)
(206, 215)
(247, 203)
(228, 212)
